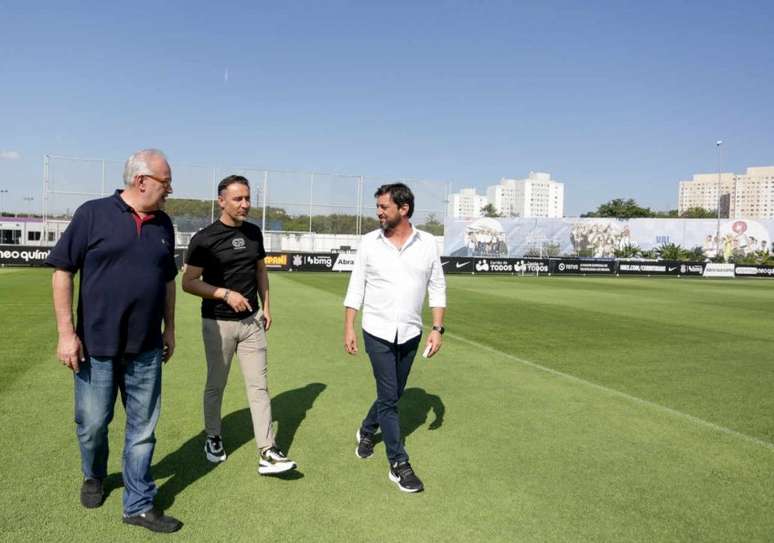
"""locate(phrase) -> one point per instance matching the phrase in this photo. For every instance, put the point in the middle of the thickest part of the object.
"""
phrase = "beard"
(388, 224)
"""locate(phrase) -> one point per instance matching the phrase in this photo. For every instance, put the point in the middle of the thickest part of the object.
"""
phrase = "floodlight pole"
(717, 229)
(311, 200)
(265, 189)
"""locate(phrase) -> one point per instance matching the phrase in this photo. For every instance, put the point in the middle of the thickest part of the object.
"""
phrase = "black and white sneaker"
(272, 461)
(403, 475)
(213, 448)
(365, 444)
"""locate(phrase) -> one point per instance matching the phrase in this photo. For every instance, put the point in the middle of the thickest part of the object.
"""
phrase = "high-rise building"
(466, 204)
(748, 195)
(536, 196)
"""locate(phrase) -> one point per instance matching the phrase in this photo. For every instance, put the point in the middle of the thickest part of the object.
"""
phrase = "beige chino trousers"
(246, 338)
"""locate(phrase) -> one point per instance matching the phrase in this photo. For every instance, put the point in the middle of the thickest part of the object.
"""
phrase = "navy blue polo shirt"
(123, 275)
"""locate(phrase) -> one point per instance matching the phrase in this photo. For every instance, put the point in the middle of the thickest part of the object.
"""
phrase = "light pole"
(717, 230)
(29, 200)
(2, 191)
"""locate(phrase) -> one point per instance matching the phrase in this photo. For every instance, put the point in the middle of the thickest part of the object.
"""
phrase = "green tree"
(432, 225)
(627, 251)
(669, 214)
(489, 211)
(621, 209)
(698, 213)
(671, 251)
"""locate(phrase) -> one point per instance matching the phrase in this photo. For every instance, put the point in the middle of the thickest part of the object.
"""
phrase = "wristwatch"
(439, 329)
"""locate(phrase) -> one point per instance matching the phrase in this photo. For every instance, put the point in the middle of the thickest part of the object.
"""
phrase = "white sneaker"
(213, 448)
(272, 461)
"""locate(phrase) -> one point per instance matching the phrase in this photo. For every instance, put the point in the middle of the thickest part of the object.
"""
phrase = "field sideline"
(560, 409)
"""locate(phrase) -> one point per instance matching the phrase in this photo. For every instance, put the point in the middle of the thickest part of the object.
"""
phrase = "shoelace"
(274, 453)
(366, 440)
(215, 443)
(404, 470)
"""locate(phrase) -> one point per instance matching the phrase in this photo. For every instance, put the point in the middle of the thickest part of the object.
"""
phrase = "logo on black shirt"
(238, 243)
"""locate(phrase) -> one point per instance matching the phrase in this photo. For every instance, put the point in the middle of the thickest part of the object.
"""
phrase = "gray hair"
(137, 164)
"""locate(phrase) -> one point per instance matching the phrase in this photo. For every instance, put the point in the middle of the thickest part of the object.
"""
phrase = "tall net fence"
(297, 210)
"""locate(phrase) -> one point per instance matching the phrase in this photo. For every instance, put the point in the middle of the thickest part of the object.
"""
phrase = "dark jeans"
(391, 363)
(97, 383)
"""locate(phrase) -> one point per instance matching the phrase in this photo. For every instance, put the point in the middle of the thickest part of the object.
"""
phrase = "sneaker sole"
(214, 459)
(395, 480)
(274, 469)
(357, 438)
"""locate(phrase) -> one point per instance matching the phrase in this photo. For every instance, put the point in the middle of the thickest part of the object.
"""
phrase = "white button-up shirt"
(390, 284)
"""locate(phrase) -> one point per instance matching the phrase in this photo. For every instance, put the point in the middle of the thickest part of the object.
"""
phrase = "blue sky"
(616, 99)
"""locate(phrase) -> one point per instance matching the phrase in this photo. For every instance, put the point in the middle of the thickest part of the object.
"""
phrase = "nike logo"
(458, 265)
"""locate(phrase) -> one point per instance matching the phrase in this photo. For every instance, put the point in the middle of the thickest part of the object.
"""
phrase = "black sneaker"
(213, 448)
(272, 461)
(403, 475)
(365, 444)
(92, 493)
(155, 520)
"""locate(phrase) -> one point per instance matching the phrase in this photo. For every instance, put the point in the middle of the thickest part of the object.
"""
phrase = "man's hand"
(266, 320)
(69, 350)
(237, 302)
(350, 341)
(169, 343)
(434, 341)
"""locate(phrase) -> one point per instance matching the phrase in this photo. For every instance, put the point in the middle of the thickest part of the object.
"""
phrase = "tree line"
(191, 215)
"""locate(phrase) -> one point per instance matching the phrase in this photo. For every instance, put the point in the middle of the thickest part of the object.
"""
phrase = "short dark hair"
(230, 180)
(399, 193)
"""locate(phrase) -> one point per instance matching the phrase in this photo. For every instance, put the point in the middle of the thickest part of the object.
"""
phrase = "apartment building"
(748, 195)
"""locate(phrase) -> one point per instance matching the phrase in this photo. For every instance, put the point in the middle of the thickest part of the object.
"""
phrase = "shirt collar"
(126, 208)
(414, 235)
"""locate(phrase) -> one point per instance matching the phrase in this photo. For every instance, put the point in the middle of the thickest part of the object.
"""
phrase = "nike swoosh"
(458, 265)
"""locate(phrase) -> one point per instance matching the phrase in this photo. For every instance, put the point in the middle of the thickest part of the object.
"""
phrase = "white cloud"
(9, 155)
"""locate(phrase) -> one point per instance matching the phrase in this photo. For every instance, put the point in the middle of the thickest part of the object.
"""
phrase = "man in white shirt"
(394, 267)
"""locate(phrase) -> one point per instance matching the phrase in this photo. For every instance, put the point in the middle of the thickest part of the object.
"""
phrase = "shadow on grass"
(413, 408)
(188, 464)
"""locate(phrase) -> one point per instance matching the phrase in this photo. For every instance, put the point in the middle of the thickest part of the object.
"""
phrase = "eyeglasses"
(165, 182)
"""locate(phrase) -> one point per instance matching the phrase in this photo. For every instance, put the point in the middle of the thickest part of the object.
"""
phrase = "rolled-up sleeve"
(356, 288)
(436, 285)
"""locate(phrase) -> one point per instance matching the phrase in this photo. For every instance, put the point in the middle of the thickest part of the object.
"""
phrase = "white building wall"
(536, 196)
(466, 204)
(749, 195)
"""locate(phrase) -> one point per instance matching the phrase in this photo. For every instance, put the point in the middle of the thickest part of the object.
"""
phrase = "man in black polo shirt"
(122, 247)
(225, 266)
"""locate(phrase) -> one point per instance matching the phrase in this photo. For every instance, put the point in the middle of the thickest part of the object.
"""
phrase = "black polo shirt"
(228, 256)
(123, 275)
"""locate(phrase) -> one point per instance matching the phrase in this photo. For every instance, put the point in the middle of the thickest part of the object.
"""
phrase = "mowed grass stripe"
(525, 420)
(607, 390)
(518, 455)
(678, 362)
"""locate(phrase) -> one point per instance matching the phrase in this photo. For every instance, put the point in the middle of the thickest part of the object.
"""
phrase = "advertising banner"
(754, 271)
(601, 237)
(21, 255)
(713, 269)
(661, 267)
(494, 265)
(583, 267)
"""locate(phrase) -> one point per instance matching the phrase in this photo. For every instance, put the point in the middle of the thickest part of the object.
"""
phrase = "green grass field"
(560, 409)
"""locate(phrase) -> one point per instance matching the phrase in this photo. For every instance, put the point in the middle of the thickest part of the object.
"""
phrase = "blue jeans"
(391, 363)
(97, 383)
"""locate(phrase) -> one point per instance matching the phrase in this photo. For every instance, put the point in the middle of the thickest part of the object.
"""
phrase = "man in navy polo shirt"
(123, 248)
